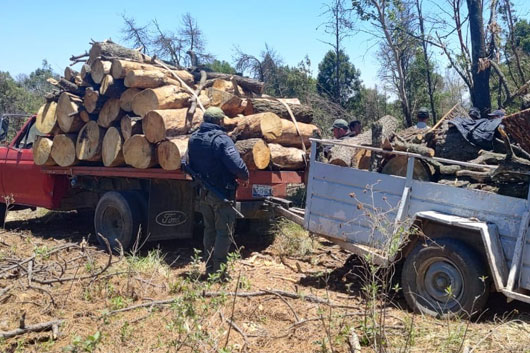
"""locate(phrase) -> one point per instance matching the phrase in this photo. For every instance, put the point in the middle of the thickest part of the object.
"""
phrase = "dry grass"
(195, 322)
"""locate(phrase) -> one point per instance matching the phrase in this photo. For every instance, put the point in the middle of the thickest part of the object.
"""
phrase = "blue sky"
(31, 31)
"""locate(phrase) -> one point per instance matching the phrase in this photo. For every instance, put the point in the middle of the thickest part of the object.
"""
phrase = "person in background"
(340, 129)
(213, 156)
(423, 117)
(355, 128)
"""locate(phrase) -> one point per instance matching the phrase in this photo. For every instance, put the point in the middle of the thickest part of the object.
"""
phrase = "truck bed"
(261, 183)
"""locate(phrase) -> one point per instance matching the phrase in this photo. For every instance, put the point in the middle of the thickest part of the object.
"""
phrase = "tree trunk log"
(286, 158)
(110, 49)
(449, 143)
(130, 126)
(67, 111)
(159, 124)
(397, 165)
(89, 142)
(171, 151)
(112, 148)
(120, 69)
(148, 79)
(93, 101)
(263, 125)
(302, 113)
(346, 156)
(85, 72)
(99, 69)
(42, 149)
(254, 152)
(111, 87)
(47, 118)
(126, 98)
(139, 153)
(86, 117)
(63, 150)
(230, 104)
(70, 74)
(165, 97)
(290, 137)
(247, 84)
(110, 112)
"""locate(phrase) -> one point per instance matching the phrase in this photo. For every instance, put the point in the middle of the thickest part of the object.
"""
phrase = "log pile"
(124, 108)
(505, 169)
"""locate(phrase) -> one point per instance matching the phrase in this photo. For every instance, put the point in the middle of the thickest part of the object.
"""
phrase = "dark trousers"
(219, 221)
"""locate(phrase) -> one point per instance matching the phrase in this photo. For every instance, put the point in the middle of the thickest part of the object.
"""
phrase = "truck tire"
(118, 217)
(445, 278)
(2, 214)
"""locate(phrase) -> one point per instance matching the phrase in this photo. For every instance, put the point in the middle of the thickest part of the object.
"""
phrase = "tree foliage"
(348, 78)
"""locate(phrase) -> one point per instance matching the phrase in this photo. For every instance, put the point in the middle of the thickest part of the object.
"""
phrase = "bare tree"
(339, 24)
(392, 22)
(262, 67)
(135, 34)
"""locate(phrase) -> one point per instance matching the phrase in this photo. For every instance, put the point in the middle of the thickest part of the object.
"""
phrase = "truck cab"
(22, 183)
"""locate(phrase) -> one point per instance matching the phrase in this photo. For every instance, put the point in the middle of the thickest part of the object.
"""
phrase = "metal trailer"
(470, 241)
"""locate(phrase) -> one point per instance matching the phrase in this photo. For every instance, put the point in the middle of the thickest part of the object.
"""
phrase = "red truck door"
(23, 182)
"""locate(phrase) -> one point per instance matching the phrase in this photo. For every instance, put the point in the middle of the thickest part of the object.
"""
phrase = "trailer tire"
(431, 269)
(118, 217)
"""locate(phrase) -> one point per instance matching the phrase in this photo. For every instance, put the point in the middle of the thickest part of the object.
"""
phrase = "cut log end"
(89, 142)
(42, 149)
(63, 150)
(170, 152)
(139, 153)
(47, 118)
(112, 148)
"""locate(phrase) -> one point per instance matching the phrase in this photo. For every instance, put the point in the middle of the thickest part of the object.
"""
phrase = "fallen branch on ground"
(31, 328)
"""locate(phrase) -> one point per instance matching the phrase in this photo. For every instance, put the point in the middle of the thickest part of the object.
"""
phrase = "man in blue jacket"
(212, 155)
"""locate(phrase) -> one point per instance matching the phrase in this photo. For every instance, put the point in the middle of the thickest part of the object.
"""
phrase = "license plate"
(261, 190)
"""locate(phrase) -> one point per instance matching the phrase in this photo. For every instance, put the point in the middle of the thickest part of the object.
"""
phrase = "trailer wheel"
(118, 218)
(445, 278)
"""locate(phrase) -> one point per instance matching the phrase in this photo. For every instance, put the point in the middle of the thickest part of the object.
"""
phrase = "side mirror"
(4, 127)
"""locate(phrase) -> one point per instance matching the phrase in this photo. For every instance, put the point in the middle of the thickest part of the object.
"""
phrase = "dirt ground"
(293, 294)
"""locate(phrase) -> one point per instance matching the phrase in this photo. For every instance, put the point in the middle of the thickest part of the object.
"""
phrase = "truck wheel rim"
(112, 223)
(442, 282)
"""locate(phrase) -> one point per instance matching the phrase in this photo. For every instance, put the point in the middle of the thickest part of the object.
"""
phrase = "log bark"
(93, 101)
(247, 84)
(263, 125)
(148, 79)
(413, 148)
(254, 152)
(63, 150)
(120, 69)
(130, 126)
(85, 72)
(42, 149)
(111, 87)
(397, 165)
(139, 153)
(99, 69)
(449, 143)
(159, 124)
(290, 138)
(230, 104)
(112, 148)
(348, 156)
(86, 116)
(171, 151)
(110, 113)
(47, 118)
(518, 128)
(111, 49)
(126, 98)
(302, 113)
(286, 158)
(89, 142)
(67, 111)
(165, 97)
(70, 74)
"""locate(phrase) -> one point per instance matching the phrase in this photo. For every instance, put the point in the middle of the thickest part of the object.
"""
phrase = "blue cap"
(499, 113)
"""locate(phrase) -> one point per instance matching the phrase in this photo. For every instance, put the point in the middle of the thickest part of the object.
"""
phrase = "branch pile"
(505, 169)
(126, 108)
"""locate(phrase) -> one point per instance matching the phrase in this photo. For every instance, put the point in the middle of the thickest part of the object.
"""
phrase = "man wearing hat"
(213, 156)
(423, 116)
(499, 113)
(340, 128)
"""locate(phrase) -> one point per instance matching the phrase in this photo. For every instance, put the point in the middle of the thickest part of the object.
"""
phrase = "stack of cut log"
(504, 170)
(125, 108)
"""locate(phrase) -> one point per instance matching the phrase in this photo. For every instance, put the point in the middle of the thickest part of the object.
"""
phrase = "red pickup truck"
(158, 203)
